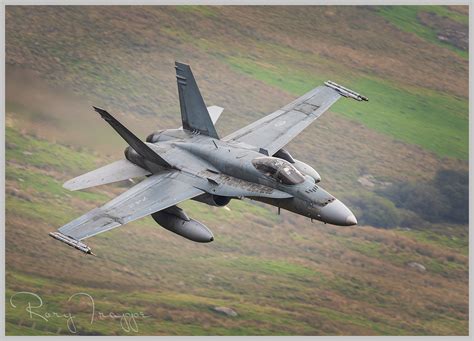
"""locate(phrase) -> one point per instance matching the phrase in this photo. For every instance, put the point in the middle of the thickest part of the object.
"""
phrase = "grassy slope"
(432, 119)
(405, 18)
(365, 53)
(321, 280)
(426, 118)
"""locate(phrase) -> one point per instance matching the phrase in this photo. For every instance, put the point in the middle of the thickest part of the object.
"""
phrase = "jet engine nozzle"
(153, 137)
(175, 220)
(135, 158)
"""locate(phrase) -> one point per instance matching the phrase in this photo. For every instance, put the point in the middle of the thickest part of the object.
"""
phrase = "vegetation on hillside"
(282, 274)
(429, 119)
(444, 199)
(320, 278)
(417, 95)
(444, 26)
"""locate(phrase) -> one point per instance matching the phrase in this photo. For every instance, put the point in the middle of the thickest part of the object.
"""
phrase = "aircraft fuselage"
(191, 153)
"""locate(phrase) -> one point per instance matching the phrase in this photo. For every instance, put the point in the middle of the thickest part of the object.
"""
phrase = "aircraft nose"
(351, 220)
(338, 214)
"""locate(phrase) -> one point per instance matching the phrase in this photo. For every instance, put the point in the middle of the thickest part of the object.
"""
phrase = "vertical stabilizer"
(194, 113)
(138, 145)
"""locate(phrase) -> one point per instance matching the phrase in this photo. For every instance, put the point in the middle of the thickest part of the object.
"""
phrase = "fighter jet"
(193, 162)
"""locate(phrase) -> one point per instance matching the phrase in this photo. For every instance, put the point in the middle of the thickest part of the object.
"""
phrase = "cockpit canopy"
(278, 169)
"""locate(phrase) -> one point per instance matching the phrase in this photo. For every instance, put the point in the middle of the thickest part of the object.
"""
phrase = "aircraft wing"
(153, 194)
(274, 131)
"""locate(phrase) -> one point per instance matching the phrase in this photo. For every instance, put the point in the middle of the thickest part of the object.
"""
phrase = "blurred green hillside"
(283, 275)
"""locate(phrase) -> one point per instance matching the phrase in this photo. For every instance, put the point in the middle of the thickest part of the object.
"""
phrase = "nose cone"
(337, 213)
(351, 220)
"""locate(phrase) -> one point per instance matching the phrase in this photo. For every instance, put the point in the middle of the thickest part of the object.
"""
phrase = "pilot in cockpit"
(279, 170)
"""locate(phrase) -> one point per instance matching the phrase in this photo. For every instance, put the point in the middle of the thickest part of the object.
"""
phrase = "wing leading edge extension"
(153, 194)
(274, 131)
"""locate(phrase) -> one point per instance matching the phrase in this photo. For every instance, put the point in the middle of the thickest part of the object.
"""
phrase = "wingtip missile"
(345, 92)
(78, 245)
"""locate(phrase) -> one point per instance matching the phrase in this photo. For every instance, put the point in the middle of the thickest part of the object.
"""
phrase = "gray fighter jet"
(193, 162)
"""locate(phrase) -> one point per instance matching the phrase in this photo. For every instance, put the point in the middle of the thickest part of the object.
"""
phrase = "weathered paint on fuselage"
(194, 153)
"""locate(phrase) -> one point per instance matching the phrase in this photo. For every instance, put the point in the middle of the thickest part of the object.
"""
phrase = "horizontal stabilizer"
(116, 171)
